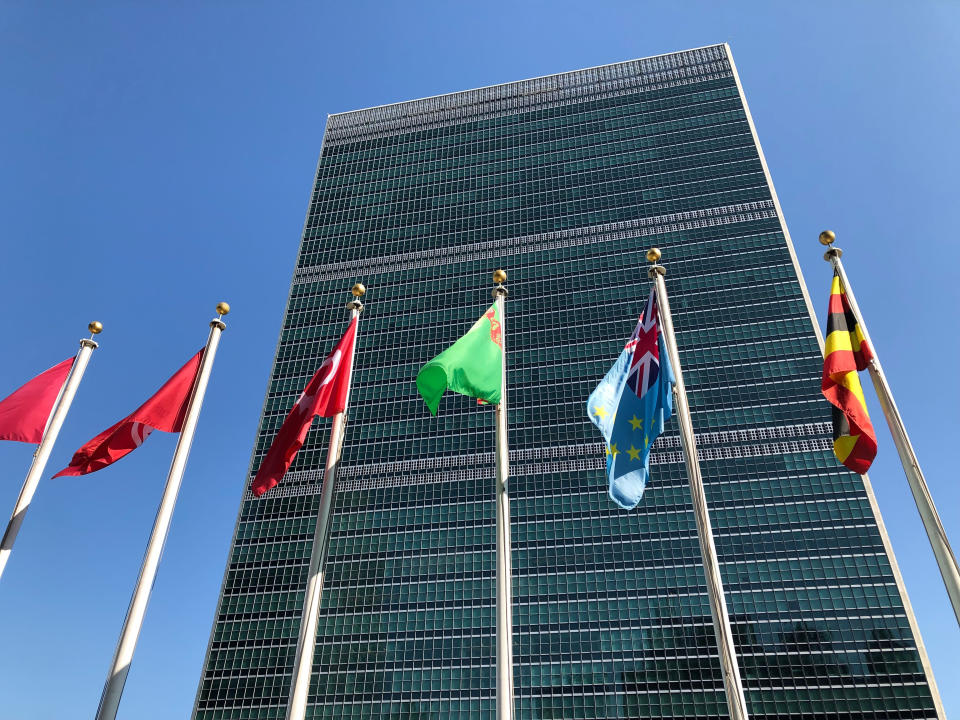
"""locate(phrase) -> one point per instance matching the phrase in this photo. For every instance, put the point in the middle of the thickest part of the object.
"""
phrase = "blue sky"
(158, 158)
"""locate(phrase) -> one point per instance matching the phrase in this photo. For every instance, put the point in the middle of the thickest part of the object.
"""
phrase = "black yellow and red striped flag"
(847, 352)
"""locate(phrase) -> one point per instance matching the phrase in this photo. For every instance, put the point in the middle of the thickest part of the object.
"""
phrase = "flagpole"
(123, 656)
(42, 453)
(736, 702)
(505, 705)
(936, 533)
(307, 642)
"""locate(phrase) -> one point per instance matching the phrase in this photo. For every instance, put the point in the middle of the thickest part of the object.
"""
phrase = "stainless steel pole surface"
(736, 701)
(307, 641)
(123, 656)
(42, 454)
(504, 565)
(946, 560)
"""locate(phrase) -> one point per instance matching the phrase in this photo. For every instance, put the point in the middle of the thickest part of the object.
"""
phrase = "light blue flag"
(631, 405)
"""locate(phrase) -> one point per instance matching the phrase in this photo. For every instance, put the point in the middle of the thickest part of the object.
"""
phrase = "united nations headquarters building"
(565, 182)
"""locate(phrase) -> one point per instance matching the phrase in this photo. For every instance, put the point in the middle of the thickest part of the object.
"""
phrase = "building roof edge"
(724, 45)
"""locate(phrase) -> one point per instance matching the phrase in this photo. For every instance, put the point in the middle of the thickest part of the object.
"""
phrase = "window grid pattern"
(565, 182)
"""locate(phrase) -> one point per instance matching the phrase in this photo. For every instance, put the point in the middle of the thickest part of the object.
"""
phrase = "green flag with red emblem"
(472, 366)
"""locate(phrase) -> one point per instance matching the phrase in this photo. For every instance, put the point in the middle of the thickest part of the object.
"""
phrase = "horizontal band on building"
(565, 458)
(540, 242)
(596, 463)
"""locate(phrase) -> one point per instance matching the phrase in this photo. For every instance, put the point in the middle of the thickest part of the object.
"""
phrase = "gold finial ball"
(827, 237)
(653, 255)
(95, 328)
(499, 277)
(358, 289)
(223, 308)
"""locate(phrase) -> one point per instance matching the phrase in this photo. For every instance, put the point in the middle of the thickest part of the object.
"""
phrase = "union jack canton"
(631, 405)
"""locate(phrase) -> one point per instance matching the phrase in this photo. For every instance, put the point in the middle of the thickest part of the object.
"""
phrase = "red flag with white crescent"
(165, 411)
(325, 395)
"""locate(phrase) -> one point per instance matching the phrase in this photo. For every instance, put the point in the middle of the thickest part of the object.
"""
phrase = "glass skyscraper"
(564, 181)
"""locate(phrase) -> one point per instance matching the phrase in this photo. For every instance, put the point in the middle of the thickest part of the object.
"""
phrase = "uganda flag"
(846, 352)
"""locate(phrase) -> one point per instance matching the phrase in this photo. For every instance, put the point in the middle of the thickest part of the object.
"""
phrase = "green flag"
(472, 366)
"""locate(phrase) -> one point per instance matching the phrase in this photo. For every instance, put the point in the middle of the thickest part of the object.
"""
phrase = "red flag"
(24, 414)
(324, 395)
(164, 411)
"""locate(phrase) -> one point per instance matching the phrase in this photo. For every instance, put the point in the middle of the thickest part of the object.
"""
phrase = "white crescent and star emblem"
(139, 432)
(333, 362)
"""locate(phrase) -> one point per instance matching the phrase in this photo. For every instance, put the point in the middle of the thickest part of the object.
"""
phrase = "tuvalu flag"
(472, 366)
(164, 411)
(325, 395)
(845, 353)
(24, 413)
(631, 405)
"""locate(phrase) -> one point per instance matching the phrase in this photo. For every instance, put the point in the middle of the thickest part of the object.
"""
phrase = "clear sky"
(156, 158)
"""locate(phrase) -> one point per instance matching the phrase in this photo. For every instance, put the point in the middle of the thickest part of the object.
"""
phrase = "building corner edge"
(868, 487)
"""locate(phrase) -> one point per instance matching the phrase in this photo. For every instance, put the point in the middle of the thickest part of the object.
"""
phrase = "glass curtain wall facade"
(564, 181)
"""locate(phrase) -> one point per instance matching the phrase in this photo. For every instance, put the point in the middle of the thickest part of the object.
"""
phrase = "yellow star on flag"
(612, 450)
(600, 412)
(634, 453)
(636, 423)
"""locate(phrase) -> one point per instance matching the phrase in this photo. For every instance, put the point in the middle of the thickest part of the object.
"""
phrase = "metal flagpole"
(42, 453)
(504, 564)
(732, 683)
(307, 642)
(908, 458)
(123, 656)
